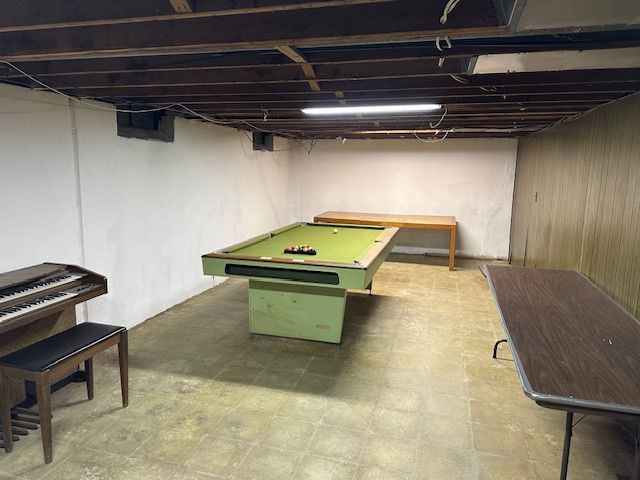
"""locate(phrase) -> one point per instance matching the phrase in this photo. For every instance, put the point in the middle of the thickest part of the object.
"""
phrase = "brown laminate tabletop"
(437, 222)
(573, 346)
(388, 219)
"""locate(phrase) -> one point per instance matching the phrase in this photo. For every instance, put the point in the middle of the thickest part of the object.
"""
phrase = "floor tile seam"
(130, 457)
(236, 466)
(385, 468)
(55, 468)
(475, 467)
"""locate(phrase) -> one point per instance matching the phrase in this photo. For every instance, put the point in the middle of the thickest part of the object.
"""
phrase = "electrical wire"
(228, 122)
(433, 139)
(459, 79)
(444, 114)
(92, 104)
(171, 107)
(451, 4)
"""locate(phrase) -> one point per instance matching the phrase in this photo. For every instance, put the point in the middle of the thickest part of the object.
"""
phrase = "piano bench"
(44, 359)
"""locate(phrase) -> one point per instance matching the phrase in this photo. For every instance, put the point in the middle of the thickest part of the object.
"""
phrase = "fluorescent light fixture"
(426, 107)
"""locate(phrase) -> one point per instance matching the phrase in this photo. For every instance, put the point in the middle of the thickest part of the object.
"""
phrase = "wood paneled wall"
(577, 200)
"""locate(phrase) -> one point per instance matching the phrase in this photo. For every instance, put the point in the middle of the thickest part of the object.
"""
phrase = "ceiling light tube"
(425, 107)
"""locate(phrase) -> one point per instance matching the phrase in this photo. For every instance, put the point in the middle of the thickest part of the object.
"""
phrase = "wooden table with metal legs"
(432, 222)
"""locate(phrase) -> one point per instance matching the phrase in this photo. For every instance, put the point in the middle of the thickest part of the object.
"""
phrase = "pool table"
(303, 296)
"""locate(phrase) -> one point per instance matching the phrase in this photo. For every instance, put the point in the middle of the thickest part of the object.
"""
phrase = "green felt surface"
(346, 246)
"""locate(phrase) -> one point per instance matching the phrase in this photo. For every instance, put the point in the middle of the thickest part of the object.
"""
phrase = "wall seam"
(78, 185)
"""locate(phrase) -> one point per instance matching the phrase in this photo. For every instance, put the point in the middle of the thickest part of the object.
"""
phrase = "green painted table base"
(310, 312)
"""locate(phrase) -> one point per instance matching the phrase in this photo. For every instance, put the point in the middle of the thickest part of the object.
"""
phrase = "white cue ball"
(335, 230)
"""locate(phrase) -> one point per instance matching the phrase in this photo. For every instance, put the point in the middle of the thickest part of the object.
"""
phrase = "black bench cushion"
(47, 353)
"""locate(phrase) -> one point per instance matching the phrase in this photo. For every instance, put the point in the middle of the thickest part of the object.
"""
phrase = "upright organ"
(39, 301)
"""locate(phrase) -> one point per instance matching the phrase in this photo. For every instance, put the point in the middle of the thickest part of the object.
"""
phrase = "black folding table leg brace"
(635, 475)
(568, 431)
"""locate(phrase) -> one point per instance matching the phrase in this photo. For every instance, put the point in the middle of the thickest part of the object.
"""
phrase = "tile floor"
(412, 393)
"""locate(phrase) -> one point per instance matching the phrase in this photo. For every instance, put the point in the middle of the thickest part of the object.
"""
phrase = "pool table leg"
(310, 312)
(370, 287)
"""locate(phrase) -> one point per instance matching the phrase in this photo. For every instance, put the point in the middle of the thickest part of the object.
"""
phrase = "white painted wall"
(471, 179)
(148, 209)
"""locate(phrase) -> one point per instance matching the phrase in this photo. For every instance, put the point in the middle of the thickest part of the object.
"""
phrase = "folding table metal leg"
(495, 347)
(635, 475)
(568, 431)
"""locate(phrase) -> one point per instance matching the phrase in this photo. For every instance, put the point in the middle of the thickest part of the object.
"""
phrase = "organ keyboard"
(37, 302)
(31, 293)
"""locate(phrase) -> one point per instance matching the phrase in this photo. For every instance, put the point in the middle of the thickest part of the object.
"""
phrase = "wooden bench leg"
(88, 372)
(5, 413)
(123, 358)
(43, 391)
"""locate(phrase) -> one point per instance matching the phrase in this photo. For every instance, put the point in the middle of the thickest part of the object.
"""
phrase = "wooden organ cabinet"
(39, 301)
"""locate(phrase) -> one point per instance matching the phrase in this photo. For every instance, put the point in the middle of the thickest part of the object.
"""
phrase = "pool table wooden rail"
(359, 263)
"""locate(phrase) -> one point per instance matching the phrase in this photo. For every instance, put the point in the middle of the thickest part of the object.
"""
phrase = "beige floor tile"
(124, 437)
(315, 385)
(389, 454)
(242, 424)
(446, 432)
(291, 362)
(264, 400)
(375, 473)
(304, 407)
(396, 423)
(445, 463)
(288, 433)
(217, 455)
(337, 443)
(497, 440)
(277, 379)
(399, 399)
(447, 406)
(198, 418)
(317, 468)
(169, 446)
(497, 467)
(27, 461)
(264, 463)
(348, 414)
(240, 374)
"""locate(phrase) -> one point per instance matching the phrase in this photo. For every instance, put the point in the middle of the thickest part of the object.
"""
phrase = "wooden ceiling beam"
(236, 76)
(549, 80)
(387, 97)
(56, 14)
(357, 23)
(307, 69)
(338, 55)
